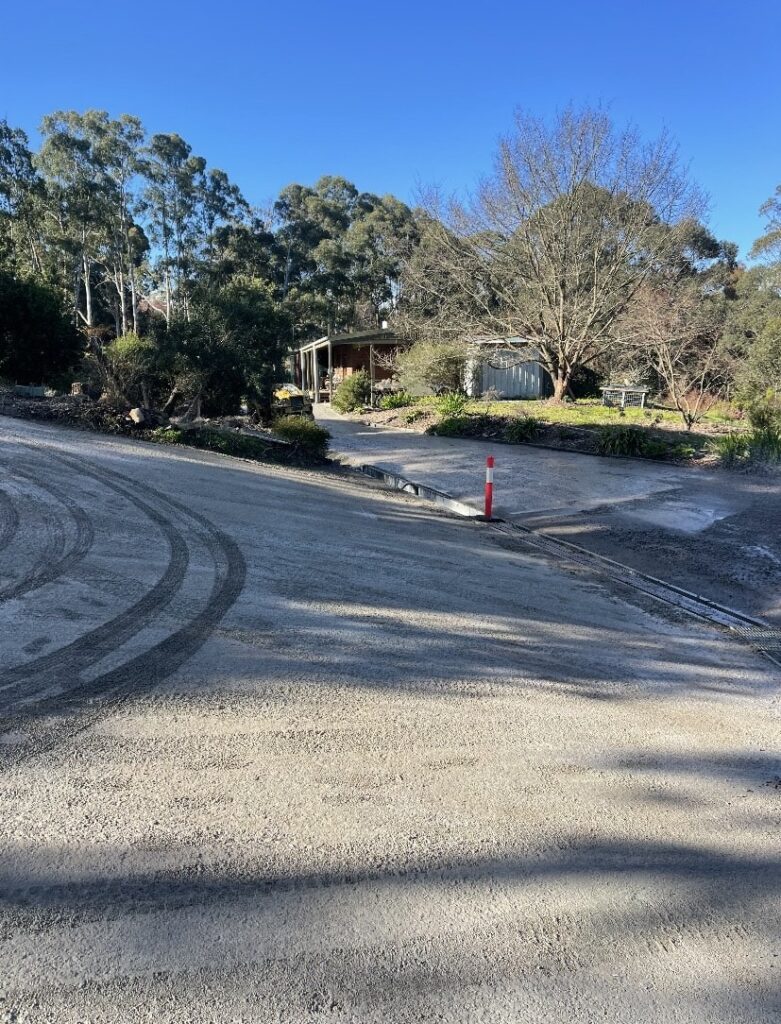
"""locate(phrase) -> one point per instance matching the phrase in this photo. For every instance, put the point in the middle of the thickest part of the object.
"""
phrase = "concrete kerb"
(401, 483)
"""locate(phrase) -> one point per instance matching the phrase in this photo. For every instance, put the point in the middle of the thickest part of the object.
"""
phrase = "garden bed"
(296, 444)
(585, 426)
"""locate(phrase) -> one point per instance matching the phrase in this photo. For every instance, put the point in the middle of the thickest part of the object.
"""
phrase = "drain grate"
(765, 639)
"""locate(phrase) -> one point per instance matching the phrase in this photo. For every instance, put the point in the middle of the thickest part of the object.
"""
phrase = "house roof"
(373, 336)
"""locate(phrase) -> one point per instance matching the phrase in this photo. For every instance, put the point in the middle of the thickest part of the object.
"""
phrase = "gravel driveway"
(712, 532)
(279, 746)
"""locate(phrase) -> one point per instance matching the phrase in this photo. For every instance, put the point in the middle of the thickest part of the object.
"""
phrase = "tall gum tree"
(21, 193)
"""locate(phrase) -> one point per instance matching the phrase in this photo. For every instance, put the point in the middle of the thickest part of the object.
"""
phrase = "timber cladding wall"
(349, 359)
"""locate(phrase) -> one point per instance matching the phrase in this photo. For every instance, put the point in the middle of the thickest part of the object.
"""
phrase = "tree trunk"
(561, 384)
(122, 300)
(171, 402)
(193, 410)
(87, 290)
(133, 299)
(167, 297)
(76, 277)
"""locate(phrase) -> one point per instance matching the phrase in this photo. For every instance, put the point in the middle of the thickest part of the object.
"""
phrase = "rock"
(138, 416)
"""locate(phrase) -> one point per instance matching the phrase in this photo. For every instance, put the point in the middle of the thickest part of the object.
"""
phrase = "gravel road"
(282, 746)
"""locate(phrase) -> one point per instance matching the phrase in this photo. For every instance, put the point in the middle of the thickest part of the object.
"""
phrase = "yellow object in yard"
(290, 400)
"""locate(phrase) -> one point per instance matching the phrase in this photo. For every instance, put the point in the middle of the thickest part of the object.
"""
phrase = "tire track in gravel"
(49, 567)
(87, 702)
(9, 519)
(91, 647)
(51, 536)
(38, 907)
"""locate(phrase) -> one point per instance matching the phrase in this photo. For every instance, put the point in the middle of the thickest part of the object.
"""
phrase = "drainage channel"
(757, 634)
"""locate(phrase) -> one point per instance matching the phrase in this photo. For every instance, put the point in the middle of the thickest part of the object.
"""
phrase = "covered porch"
(321, 366)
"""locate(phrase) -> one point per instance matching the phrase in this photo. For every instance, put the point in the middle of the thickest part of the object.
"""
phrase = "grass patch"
(613, 439)
(590, 412)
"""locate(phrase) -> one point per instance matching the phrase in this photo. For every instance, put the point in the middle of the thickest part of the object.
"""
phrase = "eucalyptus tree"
(186, 205)
(78, 199)
(338, 251)
(117, 145)
(90, 166)
(170, 195)
(768, 246)
(378, 241)
(221, 205)
(21, 192)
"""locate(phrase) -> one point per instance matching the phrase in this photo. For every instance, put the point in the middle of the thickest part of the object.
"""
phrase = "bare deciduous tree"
(554, 244)
(675, 330)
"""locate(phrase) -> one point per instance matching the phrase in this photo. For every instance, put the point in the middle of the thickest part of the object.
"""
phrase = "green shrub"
(167, 435)
(764, 413)
(131, 360)
(759, 447)
(244, 446)
(765, 445)
(521, 429)
(452, 426)
(353, 393)
(432, 366)
(414, 415)
(512, 431)
(311, 439)
(630, 441)
(474, 425)
(681, 451)
(38, 341)
(731, 448)
(396, 400)
(452, 404)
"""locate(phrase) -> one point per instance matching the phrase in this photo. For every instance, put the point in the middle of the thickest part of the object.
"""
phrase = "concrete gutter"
(401, 483)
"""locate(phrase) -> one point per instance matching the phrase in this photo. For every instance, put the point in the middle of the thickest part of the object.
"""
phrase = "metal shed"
(508, 366)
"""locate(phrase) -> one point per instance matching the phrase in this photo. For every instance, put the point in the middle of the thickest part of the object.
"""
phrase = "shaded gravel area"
(278, 746)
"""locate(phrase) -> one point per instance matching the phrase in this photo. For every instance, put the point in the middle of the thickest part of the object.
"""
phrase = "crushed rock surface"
(277, 746)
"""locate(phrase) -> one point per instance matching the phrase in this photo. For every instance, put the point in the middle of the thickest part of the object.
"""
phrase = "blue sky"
(405, 93)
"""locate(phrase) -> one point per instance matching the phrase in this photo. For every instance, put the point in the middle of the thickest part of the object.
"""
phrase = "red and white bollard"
(489, 486)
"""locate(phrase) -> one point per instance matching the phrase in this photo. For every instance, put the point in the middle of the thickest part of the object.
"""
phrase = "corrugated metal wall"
(524, 380)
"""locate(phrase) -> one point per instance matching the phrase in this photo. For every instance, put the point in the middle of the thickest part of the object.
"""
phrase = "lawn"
(589, 412)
